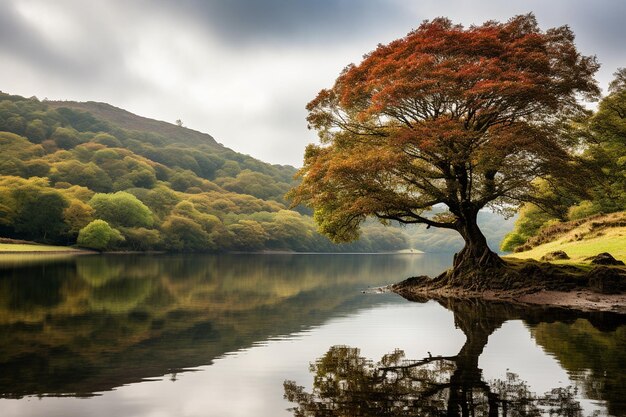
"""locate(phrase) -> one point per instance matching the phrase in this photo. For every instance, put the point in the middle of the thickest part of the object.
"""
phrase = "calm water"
(281, 335)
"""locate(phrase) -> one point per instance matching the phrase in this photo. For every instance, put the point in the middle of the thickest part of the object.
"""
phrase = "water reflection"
(347, 384)
(576, 345)
(102, 326)
(81, 325)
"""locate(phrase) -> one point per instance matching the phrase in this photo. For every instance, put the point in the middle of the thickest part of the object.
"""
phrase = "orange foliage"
(449, 116)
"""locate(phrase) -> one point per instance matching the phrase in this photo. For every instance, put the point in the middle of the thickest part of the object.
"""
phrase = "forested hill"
(102, 177)
(172, 136)
(107, 179)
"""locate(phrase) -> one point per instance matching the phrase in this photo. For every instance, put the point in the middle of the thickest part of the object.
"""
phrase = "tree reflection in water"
(347, 384)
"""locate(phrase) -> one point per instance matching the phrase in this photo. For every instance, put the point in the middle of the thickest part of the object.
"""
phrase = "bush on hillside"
(99, 235)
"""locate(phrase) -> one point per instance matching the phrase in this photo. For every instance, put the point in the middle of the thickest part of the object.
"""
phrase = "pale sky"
(243, 70)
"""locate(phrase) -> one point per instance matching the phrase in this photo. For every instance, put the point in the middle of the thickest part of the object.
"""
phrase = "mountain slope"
(127, 120)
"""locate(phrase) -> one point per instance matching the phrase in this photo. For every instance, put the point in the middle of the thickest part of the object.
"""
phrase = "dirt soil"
(598, 289)
(580, 299)
(585, 300)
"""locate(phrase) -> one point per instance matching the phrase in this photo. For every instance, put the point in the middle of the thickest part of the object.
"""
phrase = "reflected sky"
(511, 349)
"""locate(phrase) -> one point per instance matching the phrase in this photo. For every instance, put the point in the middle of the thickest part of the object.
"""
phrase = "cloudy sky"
(242, 70)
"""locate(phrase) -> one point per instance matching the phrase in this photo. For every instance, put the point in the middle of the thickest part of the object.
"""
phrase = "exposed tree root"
(492, 273)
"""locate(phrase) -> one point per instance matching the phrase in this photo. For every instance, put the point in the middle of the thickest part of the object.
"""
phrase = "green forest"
(600, 188)
(99, 177)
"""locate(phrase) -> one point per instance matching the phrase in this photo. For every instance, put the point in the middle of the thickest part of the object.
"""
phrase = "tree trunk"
(476, 254)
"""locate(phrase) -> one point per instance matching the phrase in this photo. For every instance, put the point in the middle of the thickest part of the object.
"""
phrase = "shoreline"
(578, 299)
(152, 252)
(49, 252)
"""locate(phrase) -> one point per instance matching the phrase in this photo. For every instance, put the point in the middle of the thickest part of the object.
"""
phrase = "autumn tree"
(446, 117)
(65, 138)
(184, 234)
(76, 216)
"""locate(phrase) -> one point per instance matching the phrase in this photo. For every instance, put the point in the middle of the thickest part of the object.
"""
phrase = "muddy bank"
(600, 288)
(583, 299)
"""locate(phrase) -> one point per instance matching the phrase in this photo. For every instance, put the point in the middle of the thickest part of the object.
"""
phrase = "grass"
(17, 247)
(611, 240)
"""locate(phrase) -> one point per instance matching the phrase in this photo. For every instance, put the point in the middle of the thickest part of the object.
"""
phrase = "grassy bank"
(22, 248)
(597, 235)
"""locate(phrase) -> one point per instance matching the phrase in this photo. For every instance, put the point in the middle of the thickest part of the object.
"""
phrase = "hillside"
(580, 239)
(127, 120)
(99, 176)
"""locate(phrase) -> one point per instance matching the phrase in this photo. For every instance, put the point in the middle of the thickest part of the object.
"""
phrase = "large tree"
(446, 117)
(121, 209)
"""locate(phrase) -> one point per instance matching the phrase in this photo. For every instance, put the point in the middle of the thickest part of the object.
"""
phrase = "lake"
(285, 335)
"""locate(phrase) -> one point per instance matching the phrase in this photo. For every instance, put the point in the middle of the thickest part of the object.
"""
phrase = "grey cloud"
(95, 55)
(95, 64)
(253, 21)
(599, 28)
(19, 40)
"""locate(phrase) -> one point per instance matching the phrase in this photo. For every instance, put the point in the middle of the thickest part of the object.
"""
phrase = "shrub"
(583, 209)
(99, 235)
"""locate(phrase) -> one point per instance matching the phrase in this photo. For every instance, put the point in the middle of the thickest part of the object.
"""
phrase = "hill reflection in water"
(79, 325)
